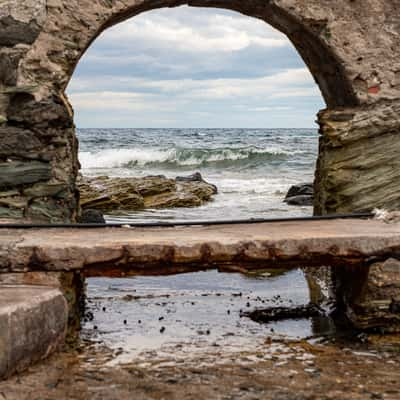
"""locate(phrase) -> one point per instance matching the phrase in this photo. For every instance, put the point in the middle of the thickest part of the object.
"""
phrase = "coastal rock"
(152, 185)
(203, 190)
(172, 199)
(300, 201)
(91, 217)
(301, 189)
(111, 194)
(300, 195)
(196, 177)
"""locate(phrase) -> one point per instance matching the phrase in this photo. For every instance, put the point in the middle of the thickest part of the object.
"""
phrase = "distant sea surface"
(252, 168)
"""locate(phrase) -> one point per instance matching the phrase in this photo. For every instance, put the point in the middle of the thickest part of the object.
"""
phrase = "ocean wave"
(178, 157)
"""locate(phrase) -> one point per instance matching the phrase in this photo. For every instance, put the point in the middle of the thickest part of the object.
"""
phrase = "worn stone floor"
(282, 370)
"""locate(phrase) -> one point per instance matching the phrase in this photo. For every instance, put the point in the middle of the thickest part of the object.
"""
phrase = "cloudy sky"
(190, 67)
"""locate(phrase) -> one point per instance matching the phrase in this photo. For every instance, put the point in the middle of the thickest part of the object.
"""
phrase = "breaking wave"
(179, 157)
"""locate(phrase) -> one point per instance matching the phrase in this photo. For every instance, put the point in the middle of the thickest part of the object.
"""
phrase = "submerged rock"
(300, 195)
(111, 194)
(281, 313)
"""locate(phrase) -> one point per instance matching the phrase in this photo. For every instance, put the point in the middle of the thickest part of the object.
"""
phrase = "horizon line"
(77, 127)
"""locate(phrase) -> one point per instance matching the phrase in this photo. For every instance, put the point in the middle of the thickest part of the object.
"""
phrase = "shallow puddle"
(144, 317)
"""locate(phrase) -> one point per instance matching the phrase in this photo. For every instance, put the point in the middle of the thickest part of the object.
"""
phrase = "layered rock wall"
(358, 167)
(350, 47)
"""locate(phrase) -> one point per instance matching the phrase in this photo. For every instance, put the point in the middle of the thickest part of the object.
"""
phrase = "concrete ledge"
(33, 323)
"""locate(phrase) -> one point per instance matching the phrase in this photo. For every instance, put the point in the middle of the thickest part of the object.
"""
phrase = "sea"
(252, 168)
(142, 318)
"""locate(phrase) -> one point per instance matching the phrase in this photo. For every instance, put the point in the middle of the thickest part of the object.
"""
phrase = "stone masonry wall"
(350, 47)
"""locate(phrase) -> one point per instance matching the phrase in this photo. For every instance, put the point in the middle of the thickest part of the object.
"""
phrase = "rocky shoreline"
(108, 194)
(280, 369)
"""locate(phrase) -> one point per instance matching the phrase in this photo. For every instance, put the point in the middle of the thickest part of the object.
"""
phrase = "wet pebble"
(310, 370)
(376, 396)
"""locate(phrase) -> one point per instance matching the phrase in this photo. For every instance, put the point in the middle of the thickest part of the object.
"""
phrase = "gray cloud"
(193, 67)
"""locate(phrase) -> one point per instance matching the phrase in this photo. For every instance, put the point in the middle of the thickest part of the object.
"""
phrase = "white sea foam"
(116, 158)
(252, 186)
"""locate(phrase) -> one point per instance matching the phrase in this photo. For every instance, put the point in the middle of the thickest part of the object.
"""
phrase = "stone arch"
(350, 48)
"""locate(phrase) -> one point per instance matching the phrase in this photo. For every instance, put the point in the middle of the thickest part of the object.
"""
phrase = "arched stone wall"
(351, 48)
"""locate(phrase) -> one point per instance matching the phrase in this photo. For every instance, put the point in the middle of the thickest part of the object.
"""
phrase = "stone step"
(33, 323)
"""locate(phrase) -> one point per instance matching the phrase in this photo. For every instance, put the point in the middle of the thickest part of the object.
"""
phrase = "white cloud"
(217, 33)
(120, 101)
(289, 83)
(268, 109)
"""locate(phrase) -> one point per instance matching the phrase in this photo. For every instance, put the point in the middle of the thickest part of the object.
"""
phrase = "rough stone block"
(71, 285)
(19, 142)
(14, 32)
(33, 323)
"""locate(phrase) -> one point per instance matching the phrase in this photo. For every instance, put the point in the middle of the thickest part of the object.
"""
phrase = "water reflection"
(195, 312)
